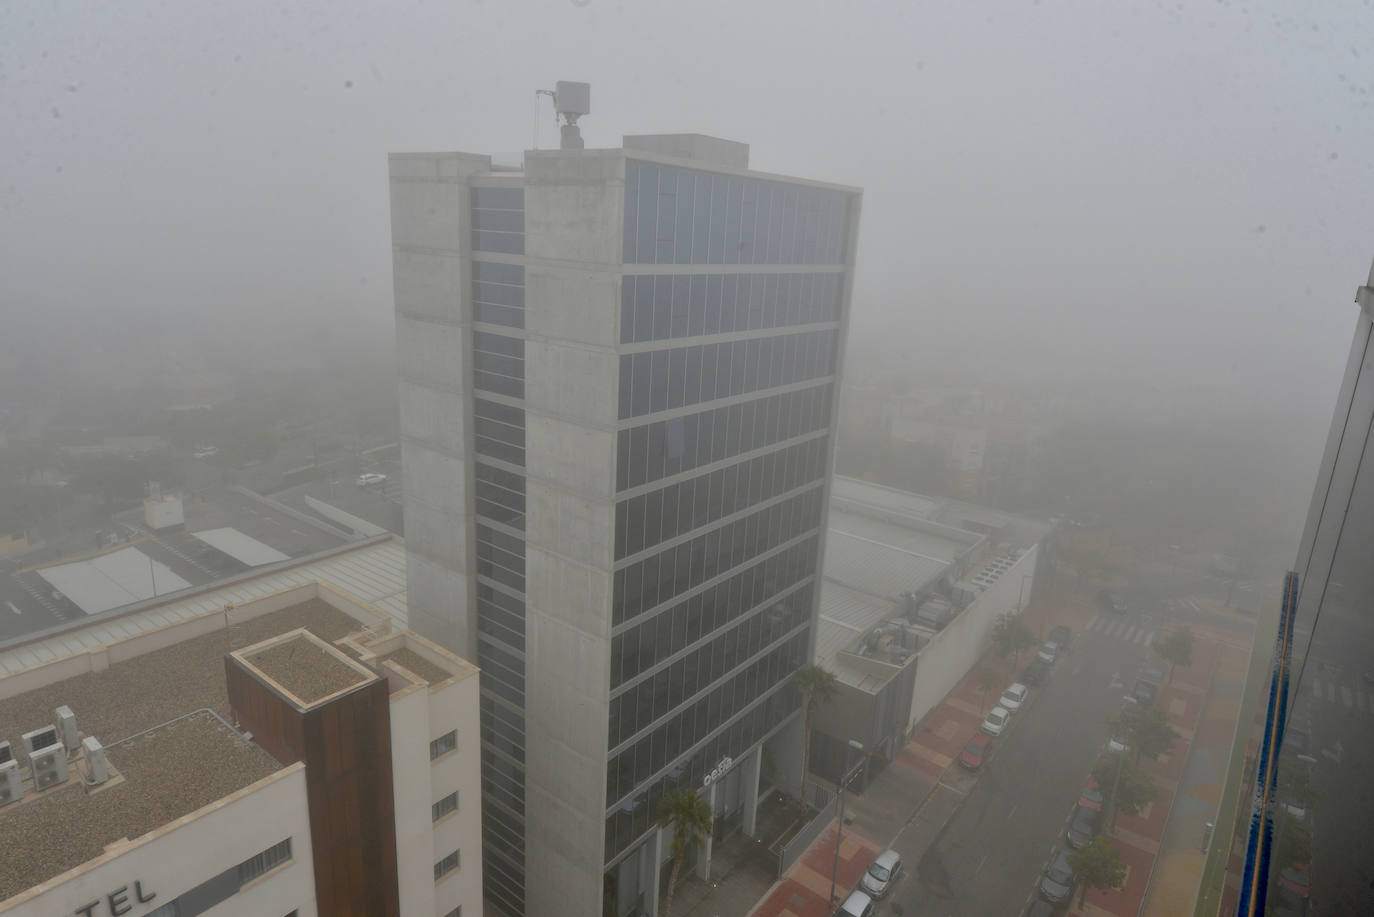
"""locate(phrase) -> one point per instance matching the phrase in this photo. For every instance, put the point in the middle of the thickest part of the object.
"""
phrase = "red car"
(1091, 797)
(978, 750)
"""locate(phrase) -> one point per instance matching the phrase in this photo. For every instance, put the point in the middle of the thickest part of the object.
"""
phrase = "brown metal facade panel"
(348, 779)
(275, 724)
(346, 746)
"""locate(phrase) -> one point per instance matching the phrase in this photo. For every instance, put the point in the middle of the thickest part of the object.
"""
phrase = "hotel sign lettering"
(118, 902)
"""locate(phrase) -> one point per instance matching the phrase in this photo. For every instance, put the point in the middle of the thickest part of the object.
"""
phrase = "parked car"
(1091, 796)
(882, 874)
(1036, 673)
(1040, 908)
(1083, 826)
(857, 904)
(1014, 697)
(1049, 652)
(996, 721)
(976, 752)
(1287, 903)
(1060, 635)
(1056, 883)
(370, 477)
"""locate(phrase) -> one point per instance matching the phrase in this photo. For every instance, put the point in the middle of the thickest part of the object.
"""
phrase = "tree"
(1131, 792)
(1010, 636)
(689, 818)
(1146, 730)
(1176, 649)
(987, 679)
(817, 686)
(1097, 865)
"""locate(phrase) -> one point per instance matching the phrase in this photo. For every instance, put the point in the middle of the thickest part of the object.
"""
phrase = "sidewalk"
(915, 795)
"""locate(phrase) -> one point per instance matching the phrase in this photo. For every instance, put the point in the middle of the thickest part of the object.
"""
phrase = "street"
(988, 858)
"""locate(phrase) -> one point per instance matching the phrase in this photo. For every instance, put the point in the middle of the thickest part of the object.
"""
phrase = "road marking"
(1130, 635)
(1150, 640)
(298, 532)
(1012, 812)
(1345, 695)
(980, 864)
(1331, 692)
(13, 609)
(1317, 688)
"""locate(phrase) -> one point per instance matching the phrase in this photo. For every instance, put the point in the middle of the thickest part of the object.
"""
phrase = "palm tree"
(689, 817)
(817, 686)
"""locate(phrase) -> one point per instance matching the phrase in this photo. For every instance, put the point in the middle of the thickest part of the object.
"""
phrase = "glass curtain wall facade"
(498, 383)
(1305, 774)
(725, 390)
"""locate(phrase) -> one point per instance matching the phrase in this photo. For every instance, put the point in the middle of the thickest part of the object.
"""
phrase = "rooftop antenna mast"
(570, 102)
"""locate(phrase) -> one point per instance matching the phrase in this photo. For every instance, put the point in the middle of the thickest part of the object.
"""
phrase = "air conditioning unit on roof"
(11, 786)
(39, 738)
(49, 766)
(96, 765)
(6, 754)
(66, 725)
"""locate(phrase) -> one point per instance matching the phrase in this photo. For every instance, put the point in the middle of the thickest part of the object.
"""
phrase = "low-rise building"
(291, 754)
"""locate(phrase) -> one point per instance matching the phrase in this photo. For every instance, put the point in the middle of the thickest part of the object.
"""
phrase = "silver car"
(882, 874)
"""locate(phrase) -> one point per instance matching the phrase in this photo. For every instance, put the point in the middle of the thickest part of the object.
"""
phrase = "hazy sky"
(1152, 189)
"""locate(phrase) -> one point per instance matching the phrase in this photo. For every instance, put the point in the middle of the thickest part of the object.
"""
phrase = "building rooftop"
(373, 572)
(308, 669)
(168, 766)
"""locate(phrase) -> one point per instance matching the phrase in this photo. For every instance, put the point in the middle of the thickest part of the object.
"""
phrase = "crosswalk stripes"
(1352, 699)
(1116, 628)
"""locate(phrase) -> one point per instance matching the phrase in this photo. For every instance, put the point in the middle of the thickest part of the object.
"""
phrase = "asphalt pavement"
(988, 857)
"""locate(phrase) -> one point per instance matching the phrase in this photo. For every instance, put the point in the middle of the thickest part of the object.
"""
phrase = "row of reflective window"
(643, 585)
(640, 705)
(649, 519)
(501, 557)
(501, 614)
(628, 772)
(656, 307)
(498, 220)
(676, 627)
(498, 364)
(503, 671)
(503, 728)
(656, 450)
(498, 294)
(676, 377)
(499, 495)
(499, 431)
(503, 861)
(682, 216)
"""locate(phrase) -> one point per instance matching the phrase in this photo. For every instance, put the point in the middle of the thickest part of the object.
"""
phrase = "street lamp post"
(845, 778)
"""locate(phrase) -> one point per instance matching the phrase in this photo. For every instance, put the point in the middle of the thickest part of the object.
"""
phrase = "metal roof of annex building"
(373, 571)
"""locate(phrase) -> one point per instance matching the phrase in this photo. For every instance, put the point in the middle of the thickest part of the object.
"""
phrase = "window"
(264, 862)
(443, 745)
(445, 806)
(445, 866)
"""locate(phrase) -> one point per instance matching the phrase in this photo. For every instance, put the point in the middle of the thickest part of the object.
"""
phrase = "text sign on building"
(118, 902)
(718, 771)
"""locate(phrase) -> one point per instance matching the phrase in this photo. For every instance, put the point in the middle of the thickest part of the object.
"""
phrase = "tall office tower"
(618, 371)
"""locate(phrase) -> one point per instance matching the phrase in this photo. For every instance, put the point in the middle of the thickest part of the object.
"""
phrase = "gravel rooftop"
(413, 661)
(305, 670)
(169, 773)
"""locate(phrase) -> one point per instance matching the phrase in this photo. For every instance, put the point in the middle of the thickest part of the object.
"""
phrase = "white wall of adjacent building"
(177, 857)
(953, 651)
